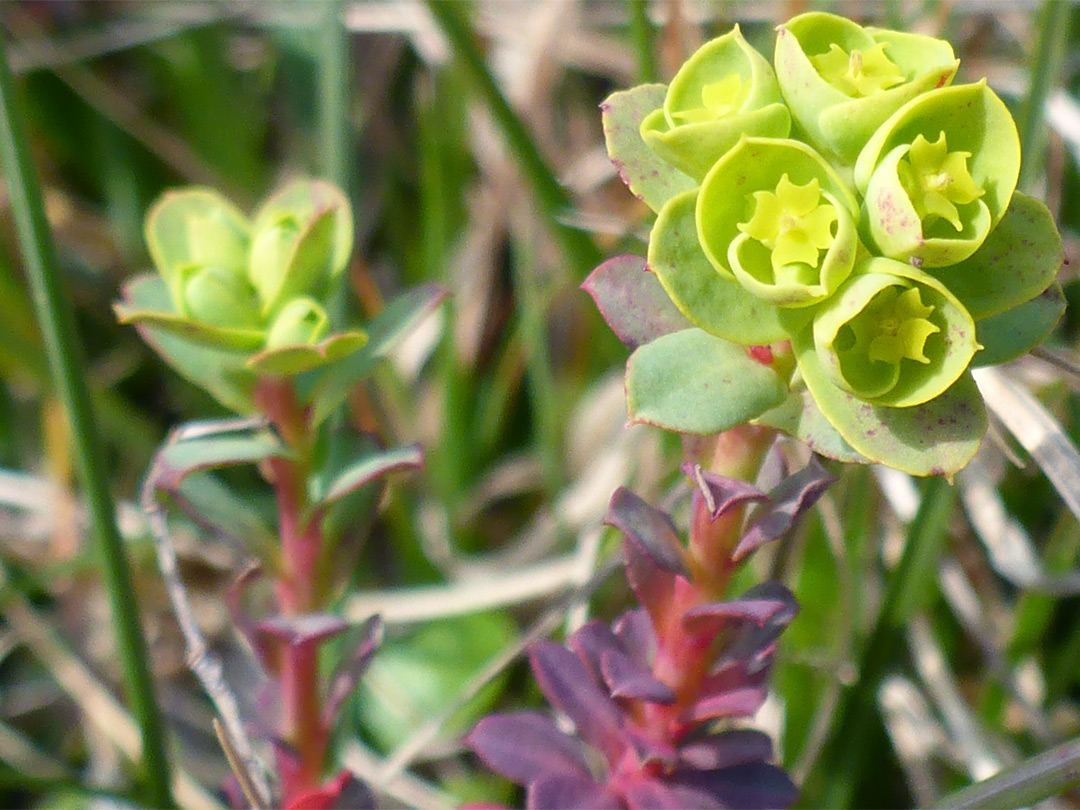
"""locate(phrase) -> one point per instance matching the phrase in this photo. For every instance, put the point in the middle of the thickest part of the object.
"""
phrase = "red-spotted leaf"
(1014, 333)
(632, 301)
(525, 746)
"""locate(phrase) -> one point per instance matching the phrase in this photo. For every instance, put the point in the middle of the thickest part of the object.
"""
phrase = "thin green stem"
(333, 48)
(69, 379)
(1049, 56)
(550, 194)
(644, 37)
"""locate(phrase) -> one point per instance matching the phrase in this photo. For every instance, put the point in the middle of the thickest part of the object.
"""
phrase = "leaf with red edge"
(737, 747)
(632, 301)
(349, 671)
(754, 786)
(789, 500)
(650, 528)
(566, 684)
(736, 703)
(563, 792)
(628, 679)
(721, 494)
(525, 746)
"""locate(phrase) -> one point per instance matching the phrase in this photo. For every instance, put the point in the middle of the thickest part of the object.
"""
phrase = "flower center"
(793, 222)
(860, 73)
(718, 100)
(937, 180)
(894, 326)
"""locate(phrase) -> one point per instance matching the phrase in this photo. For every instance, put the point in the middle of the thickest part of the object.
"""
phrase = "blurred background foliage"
(514, 388)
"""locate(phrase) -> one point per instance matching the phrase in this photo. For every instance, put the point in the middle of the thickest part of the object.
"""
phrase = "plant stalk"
(69, 379)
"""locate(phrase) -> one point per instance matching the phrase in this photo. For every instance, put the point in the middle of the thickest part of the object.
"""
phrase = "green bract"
(725, 90)
(253, 288)
(939, 175)
(841, 81)
(837, 284)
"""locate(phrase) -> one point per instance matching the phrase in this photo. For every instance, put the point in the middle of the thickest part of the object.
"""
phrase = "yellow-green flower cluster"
(847, 199)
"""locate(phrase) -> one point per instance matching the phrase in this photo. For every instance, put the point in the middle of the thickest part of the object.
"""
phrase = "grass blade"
(69, 378)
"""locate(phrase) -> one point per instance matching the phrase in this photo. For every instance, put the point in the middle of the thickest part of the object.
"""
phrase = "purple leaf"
(565, 792)
(733, 675)
(566, 684)
(649, 750)
(736, 747)
(791, 498)
(354, 795)
(755, 786)
(638, 638)
(628, 679)
(632, 301)
(649, 528)
(721, 494)
(524, 746)
(299, 631)
(351, 668)
(590, 641)
(736, 703)
(713, 617)
(653, 586)
(653, 794)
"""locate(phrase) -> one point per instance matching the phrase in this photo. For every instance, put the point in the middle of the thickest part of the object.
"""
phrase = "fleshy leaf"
(650, 528)
(736, 703)
(713, 302)
(286, 361)
(628, 679)
(180, 459)
(525, 746)
(801, 418)
(657, 794)
(326, 387)
(307, 200)
(653, 586)
(632, 301)
(302, 264)
(220, 372)
(712, 617)
(1014, 333)
(787, 503)
(647, 175)
(938, 437)
(351, 668)
(753, 786)
(192, 331)
(720, 493)
(1019, 259)
(692, 382)
(565, 792)
(736, 747)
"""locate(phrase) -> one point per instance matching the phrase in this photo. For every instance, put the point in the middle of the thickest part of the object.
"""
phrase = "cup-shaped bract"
(938, 176)
(842, 81)
(773, 214)
(893, 335)
(725, 90)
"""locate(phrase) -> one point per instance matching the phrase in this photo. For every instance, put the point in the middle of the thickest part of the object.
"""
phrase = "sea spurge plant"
(839, 281)
(726, 90)
(660, 698)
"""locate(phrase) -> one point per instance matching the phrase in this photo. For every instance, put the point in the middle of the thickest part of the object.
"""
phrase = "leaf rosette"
(253, 289)
(775, 216)
(893, 335)
(842, 81)
(938, 176)
(725, 90)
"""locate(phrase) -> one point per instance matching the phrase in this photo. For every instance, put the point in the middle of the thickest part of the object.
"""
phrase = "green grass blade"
(644, 37)
(1049, 56)
(69, 378)
(552, 197)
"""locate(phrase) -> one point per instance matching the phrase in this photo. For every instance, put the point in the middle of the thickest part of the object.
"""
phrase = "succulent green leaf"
(306, 201)
(195, 227)
(181, 459)
(967, 120)
(722, 92)
(632, 301)
(219, 371)
(893, 335)
(799, 417)
(290, 360)
(219, 296)
(842, 81)
(167, 320)
(693, 382)
(326, 387)
(289, 259)
(1017, 261)
(1012, 334)
(645, 173)
(710, 301)
(775, 215)
(301, 322)
(938, 437)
